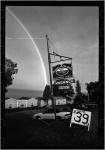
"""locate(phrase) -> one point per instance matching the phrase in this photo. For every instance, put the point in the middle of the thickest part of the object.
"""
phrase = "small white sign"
(63, 87)
(60, 101)
(81, 117)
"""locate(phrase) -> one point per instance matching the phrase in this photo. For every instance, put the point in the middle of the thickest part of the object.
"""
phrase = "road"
(21, 131)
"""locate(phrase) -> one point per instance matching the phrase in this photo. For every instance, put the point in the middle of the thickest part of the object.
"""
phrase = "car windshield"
(64, 109)
(49, 111)
(57, 110)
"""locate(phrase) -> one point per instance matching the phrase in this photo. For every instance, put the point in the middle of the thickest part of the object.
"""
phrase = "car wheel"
(58, 118)
(38, 118)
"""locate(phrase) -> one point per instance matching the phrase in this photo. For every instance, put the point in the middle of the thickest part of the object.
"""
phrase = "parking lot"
(21, 131)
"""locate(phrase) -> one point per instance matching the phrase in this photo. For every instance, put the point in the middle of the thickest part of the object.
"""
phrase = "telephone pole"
(49, 63)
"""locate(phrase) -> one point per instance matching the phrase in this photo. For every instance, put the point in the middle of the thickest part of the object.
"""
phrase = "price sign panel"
(81, 117)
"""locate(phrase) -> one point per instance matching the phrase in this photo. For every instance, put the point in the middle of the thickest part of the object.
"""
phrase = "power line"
(24, 38)
(53, 45)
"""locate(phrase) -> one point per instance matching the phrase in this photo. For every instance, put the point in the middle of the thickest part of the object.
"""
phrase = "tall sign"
(60, 72)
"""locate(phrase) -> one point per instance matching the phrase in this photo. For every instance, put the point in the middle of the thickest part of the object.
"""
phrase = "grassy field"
(21, 131)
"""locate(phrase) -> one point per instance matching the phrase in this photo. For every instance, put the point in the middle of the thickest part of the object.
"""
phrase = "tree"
(78, 99)
(10, 70)
(71, 93)
(47, 93)
(78, 87)
(93, 90)
(25, 98)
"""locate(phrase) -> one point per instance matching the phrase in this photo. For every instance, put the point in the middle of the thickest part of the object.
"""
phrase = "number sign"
(81, 117)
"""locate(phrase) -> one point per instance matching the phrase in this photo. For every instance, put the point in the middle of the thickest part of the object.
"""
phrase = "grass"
(21, 131)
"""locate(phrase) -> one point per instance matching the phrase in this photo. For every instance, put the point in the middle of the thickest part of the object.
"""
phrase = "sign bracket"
(60, 60)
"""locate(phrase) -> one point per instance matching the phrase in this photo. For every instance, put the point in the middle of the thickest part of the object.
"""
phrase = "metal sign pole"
(49, 62)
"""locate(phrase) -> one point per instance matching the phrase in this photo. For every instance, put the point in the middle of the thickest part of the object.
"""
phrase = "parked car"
(49, 114)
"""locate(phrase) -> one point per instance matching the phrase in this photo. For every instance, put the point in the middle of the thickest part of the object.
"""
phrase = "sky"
(73, 32)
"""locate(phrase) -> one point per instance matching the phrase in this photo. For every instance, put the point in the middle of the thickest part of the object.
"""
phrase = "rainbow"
(33, 42)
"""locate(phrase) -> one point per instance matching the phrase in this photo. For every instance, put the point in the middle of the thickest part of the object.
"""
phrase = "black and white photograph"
(52, 77)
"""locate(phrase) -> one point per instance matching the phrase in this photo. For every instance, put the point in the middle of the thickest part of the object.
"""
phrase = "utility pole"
(49, 62)
(88, 97)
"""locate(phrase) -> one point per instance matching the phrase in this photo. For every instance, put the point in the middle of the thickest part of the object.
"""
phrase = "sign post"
(49, 62)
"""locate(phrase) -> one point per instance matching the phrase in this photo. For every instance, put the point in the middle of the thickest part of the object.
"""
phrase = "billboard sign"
(62, 87)
(62, 71)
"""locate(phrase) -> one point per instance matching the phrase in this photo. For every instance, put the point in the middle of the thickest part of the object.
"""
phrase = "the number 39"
(79, 116)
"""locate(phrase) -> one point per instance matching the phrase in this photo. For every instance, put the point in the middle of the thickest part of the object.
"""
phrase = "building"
(22, 103)
(32, 102)
(10, 103)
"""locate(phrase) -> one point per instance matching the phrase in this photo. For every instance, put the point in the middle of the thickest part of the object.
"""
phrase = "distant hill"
(17, 93)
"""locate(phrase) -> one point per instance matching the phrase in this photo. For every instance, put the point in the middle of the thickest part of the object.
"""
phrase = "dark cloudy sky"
(73, 30)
